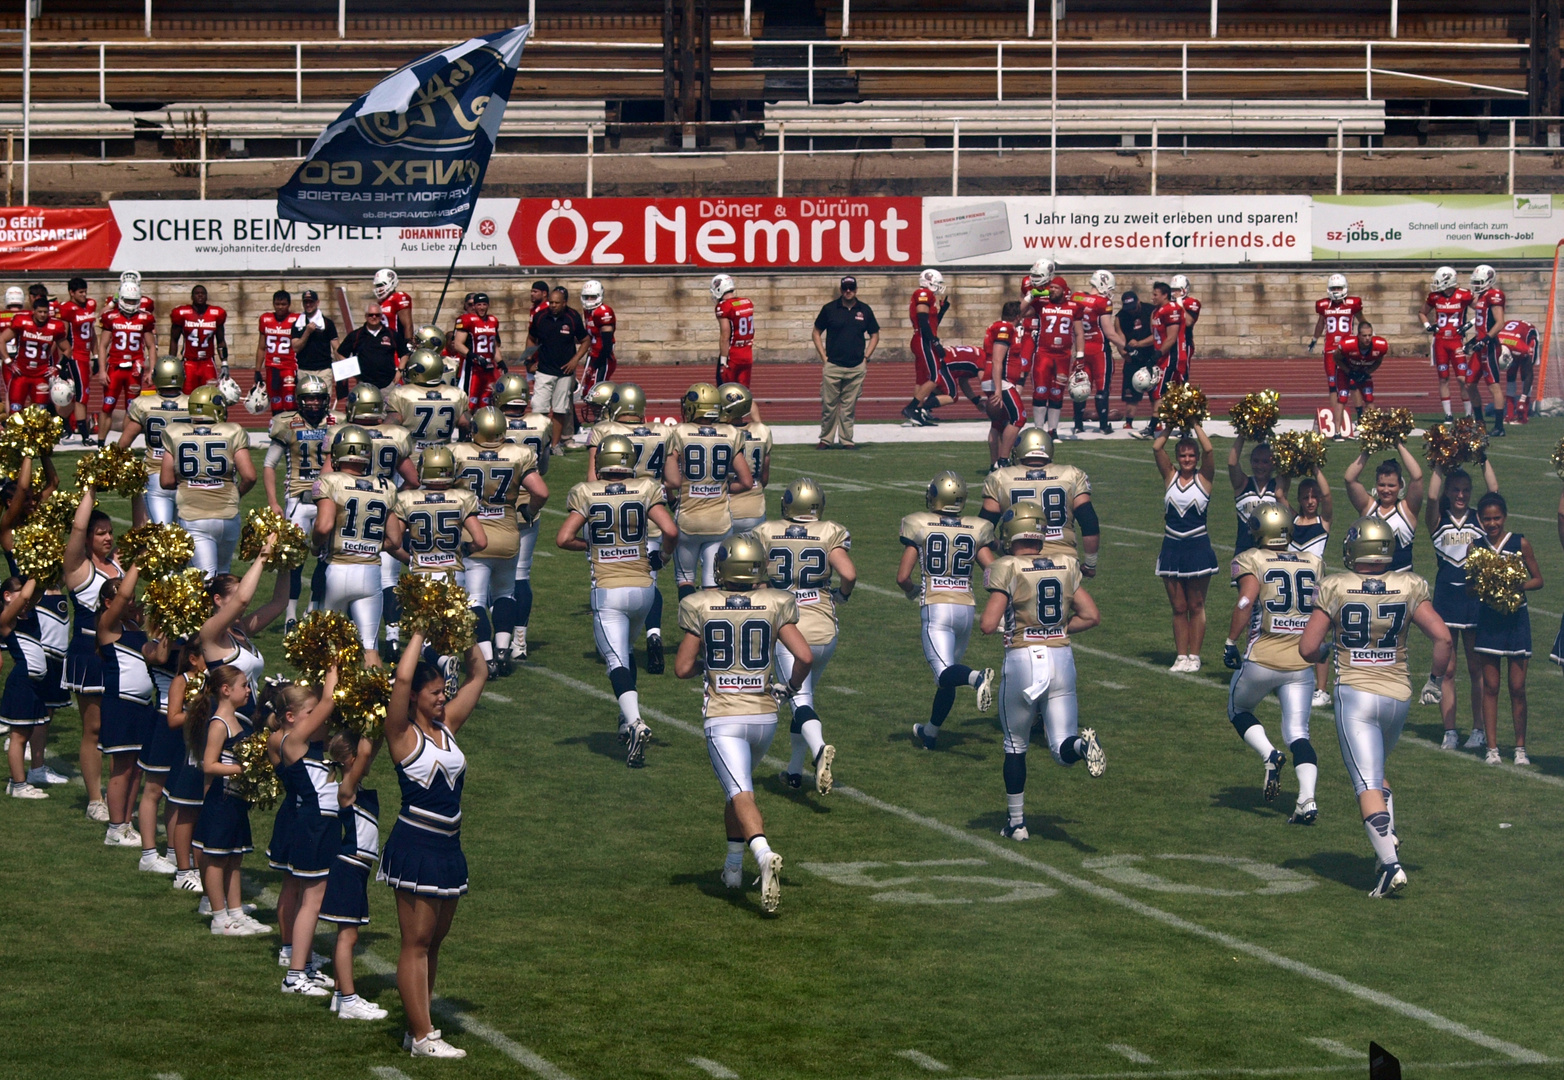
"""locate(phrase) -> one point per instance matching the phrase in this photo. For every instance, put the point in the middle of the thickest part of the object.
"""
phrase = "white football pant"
(1056, 706)
(215, 540)
(617, 616)
(696, 552)
(486, 578)
(1294, 689)
(822, 657)
(524, 556)
(355, 588)
(1368, 727)
(734, 744)
(160, 501)
(947, 628)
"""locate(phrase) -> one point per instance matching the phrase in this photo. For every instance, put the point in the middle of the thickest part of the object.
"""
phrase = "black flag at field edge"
(414, 149)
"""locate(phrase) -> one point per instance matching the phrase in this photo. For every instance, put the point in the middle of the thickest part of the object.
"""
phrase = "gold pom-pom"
(194, 681)
(40, 553)
(1298, 453)
(1449, 444)
(361, 698)
(159, 550)
(1255, 415)
(437, 607)
(1382, 429)
(32, 432)
(293, 544)
(178, 604)
(57, 511)
(1473, 438)
(1558, 459)
(257, 782)
(1496, 578)
(1182, 406)
(113, 469)
(321, 639)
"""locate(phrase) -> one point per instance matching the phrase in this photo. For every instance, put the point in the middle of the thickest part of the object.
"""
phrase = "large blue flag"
(414, 149)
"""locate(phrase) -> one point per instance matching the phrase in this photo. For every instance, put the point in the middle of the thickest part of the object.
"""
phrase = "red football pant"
(122, 385)
(922, 364)
(25, 390)
(1051, 373)
(735, 370)
(1347, 386)
(479, 382)
(1480, 364)
(1446, 355)
(83, 378)
(281, 384)
(1011, 405)
(1096, 365)
(597, 370)
(199, 373)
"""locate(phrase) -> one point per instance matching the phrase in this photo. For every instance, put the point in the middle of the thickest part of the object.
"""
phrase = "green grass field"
(1163, 920)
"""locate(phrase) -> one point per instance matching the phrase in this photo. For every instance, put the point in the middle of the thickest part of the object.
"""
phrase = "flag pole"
(446, 287)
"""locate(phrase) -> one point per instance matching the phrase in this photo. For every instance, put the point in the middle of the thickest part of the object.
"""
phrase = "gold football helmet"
(511, 391)
(615, 454)
(424, 367)
(1034, 446)
(488, 426)
(803, 500)
(742, 560)
(429, 337)
(701, 402)
(351, 446)
(168, 373)
(1371, 543)
(627, 399)
(1023, 521)
(947, 493)
(366, 403)
(437, 467)
(1271, 526)
(207, 404)
(737, 402)
(314, 398)
(600, 394)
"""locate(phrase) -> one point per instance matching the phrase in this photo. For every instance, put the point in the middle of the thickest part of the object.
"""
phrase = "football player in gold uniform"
(300, 438)
(391, 459)
(436, 516)
(609, 518)
(511, 491)
(1063, 491)
(738, 408)
(1039, 602)
(533, 431)
(705, 466)
(949, 548)
(1276, 588)
(730, 636)
(1367, 612)
(354, 519)
(207, 464)
(430, 410)
(804, 552)
(151, 415)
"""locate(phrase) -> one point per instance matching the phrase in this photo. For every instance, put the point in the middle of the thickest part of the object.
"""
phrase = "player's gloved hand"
(655, 560)
(1466, 326)
(1312, 343)
(222, 372)
(780, 691)
(1230, 657)
(839, 597)
(1428, 328)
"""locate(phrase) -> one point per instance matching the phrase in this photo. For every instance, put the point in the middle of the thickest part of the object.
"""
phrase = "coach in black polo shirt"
(845, 336)
(312, 335)
(561, 338)
(377, 347)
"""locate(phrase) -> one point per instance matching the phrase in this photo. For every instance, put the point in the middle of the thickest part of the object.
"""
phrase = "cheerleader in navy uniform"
(1187, 561)
(1502, 634)
(423, 858)
(222, 835)
(21, 706)
(127, 710)
(1453, 527)
(164, 748)
(347, 887)
(1396, 499)
(228, 635)
(186, 785)
(1250, 492)
(1557, 655)
(1310, 536)
(276, 721)
(314, 835)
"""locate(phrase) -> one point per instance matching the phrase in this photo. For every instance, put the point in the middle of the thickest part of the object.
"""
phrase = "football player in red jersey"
(735, 335)
(396, 306)
(1517, 348)
(601, 363)
(1356, 360)
(42, 343)
(1060, 345)
(926, 310)
(1483, 349)
(130, 277)
(80, 313)
(274, 359)
(127, 341)
(1191, 308)
(1099, 331)
(198, 332)
(1004, 373)
(1336, 314)
(477, 342)
(1444, 316)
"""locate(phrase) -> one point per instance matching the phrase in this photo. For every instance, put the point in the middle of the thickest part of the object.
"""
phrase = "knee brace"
(955, 676)
(483, 630)
(1015, 774)
(622, 679)
(523, 596)
(1243, 721)
(800, 715)
(1302, 752)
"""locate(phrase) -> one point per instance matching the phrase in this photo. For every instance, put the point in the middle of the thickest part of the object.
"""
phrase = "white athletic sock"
(735, 859)
(1039, 415)
(1390, 807)
(346, 999)
(1255, 736)
(1446, 403)
(630, 706)
(393, 632)
(654, 632)
(759, 848)
(502, 643)
(286, 952)
(975, 678)
(1016, 804)
(1384, 846)
(293, 610)
(814, 736)
(795, 764)
(1307, 775)
(1053, 418)
(1468, 406)
(487, 649)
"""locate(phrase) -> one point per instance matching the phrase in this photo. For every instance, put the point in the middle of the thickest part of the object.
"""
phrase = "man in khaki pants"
(846, 334)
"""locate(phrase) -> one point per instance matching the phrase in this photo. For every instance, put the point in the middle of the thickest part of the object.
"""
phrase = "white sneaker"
(1178, 663)
(1520, 756)
(358, 1009)
(121, 836)
(1320, 700)
(1451, 740)
(44, 775)
(823, 777)
(24, 790)
(1476, 740)
(1096, 760)
(770, 883)
(156, 864)
(317, 976)
(985, 690)
(226, 927)
(407, 1037)
(300, 985)
(1492, 757)
(1192, 663)
(187, 880)
(132, 835)
(251, 927)
(734, 878)
(98, 810)
(434, 1046)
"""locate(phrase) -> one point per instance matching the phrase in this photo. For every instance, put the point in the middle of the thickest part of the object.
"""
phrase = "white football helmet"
(61, 392)
(385, 283)
(722, 285)
(1143, 379)
(1444, 278)
(15, 297)
(130, 277)
(1483, 278)
(129, 299)
(229, 390)
(1043, 269)
(591, 294)
(256, 400)
(1180, 285)
(1506, 358)
(1336, 286)
(1103, 282)
(1080, 386)
(932, 279)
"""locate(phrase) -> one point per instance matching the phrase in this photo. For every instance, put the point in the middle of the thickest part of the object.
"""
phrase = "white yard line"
(714, 1068)
(490, 695)
(844, 690)
(1112, 896)
(1277, 1071)
(880, 590)
(167, 1076)
(1125, 1050)
(387, 1072)
(1342, 1050)
(923, 1061)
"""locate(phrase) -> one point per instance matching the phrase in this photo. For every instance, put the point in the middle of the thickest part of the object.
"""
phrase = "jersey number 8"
(694, 461)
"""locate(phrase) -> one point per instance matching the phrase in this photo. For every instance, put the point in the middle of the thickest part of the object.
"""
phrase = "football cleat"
(1452, 740)
(1096, 760)
(1432, 692)
(985, 690)
(823, 777)
(925, 741)
(289, 627)
(635, 753)
(1015, 832)
(1391, 879)
(791, 779)
(1320, 700)
(654, 654)
(1305, 813)
(518, 644)
(1273, 775)
(770, 883)
(733, 877)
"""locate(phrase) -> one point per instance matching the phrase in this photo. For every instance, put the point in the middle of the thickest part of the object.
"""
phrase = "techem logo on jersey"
(868, 232)
(1359, 233)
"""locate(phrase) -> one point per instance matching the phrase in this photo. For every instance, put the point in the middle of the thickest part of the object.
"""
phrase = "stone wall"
(665, 318)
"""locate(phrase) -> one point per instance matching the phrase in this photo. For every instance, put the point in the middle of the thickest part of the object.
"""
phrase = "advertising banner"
(1116, 231)
(32, 238)
(1436, 227)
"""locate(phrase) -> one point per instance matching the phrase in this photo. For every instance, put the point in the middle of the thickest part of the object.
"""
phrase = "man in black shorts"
(1140, 351)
